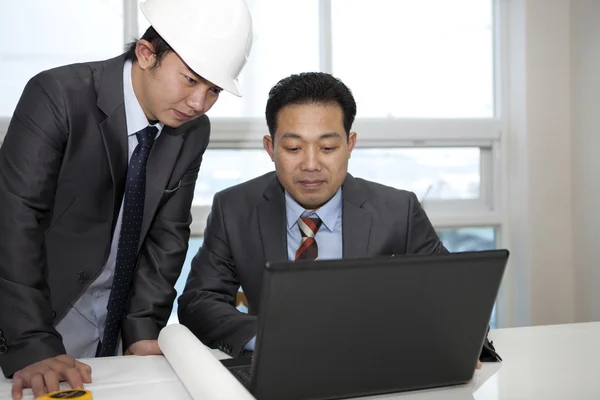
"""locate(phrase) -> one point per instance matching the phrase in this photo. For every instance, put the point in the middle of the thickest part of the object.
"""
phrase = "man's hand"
(478, 364)
(44, 376)
(144, 348)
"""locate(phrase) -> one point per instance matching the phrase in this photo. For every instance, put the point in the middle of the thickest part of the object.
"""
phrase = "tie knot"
(309, 225)
(147, 135)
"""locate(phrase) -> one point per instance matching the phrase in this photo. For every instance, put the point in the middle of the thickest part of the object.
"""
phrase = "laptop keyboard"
(243, 374)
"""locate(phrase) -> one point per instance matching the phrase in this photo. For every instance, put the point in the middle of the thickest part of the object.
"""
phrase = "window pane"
(286, 41)
(468, 239)
(407, 58)
(224, 168)
(432, 173)
(194, 245)
(46, 34)
(282, 45)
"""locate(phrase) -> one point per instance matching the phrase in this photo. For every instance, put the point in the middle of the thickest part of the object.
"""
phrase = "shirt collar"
(134, 114)
(328, 212)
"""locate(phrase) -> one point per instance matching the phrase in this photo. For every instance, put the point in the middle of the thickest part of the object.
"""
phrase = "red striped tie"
(308, 249)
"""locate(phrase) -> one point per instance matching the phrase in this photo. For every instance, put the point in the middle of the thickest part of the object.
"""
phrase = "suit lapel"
(356, 221)
(272, 222)
(164, 155)
(114, 128)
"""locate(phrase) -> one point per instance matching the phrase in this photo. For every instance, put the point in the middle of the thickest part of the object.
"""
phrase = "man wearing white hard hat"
(97, 175)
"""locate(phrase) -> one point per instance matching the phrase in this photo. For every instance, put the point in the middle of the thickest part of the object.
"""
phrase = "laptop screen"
(342, 328)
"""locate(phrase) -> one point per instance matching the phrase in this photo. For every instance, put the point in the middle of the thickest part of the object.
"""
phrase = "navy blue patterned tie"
(131, 224)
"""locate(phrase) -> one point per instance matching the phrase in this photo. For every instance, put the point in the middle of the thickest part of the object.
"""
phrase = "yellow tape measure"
(78, 394)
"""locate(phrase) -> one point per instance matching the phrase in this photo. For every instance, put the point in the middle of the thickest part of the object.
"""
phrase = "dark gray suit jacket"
(247, 227)
(63, 166)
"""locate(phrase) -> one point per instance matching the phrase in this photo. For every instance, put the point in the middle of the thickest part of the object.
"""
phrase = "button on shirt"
(83, 325)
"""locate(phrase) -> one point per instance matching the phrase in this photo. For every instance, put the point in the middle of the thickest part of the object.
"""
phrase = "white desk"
(548, 362)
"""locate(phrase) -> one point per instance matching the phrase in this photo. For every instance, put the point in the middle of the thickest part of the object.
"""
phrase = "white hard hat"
(213, 37)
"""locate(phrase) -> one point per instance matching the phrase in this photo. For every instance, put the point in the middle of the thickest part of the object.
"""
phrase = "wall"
(538, 173)
(585, 153)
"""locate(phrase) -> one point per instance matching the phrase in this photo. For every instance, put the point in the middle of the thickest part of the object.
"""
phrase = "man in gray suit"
(310, 207)
(97, 175)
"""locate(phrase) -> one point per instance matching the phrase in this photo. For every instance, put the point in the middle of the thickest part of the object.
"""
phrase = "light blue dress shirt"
(328, 237)
(82, 327)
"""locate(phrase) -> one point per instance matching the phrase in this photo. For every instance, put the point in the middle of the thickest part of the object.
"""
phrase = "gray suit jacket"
(63, 166)
(247, 228)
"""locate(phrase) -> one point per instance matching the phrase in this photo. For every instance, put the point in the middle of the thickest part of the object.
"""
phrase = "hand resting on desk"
(44, 376)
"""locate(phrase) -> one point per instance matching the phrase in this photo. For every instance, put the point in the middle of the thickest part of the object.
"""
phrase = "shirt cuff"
(250, 345)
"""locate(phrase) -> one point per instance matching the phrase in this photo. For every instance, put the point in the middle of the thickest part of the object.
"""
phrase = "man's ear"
(351, 143)
(146, 57)
(269, 146)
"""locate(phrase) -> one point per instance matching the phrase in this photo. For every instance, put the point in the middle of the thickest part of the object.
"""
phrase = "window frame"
(486, 133)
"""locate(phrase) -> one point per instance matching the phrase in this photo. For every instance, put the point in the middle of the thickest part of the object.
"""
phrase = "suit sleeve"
(207, 305)
(30, 161)
(422, 237)
(160, 262)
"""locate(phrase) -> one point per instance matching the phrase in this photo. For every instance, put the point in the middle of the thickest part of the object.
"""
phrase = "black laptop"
(334, 329)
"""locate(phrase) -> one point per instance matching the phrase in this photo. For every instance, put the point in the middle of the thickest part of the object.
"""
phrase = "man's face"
(170, 93)
(311, 152)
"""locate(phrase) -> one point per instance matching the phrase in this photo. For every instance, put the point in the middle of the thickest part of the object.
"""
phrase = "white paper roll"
(204, 377)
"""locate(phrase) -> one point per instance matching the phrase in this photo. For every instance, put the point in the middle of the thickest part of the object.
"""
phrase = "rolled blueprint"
(204, 377)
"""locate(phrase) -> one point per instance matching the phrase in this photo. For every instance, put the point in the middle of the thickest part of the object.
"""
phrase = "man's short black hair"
(161, 47)
(310, 88)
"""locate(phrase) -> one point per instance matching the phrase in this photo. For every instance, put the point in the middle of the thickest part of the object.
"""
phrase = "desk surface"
(545, 362)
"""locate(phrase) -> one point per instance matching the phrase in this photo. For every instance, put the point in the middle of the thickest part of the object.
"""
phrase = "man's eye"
(190, 80)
